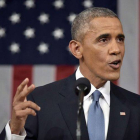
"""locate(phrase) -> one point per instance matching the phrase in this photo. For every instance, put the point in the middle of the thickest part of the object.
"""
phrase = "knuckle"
(29, 103)
(18, 88)
(14, 101)
(35, 105)
(21, 96)
(16, 114)
(30, 111)
(14, 108)
(13, 105)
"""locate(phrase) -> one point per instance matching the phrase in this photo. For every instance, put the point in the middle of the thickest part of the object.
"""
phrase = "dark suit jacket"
(58, 115)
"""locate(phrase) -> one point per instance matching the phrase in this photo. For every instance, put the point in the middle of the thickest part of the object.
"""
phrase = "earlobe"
(76, 48)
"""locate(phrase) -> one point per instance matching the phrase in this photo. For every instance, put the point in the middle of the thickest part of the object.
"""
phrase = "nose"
(114, 48)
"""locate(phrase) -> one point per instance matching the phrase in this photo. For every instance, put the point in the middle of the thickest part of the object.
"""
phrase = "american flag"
(34, 38)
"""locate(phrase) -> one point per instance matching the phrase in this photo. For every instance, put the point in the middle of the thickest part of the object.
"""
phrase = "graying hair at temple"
(82, 20)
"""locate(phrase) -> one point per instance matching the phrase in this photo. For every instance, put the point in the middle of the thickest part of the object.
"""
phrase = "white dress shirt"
(104, 102)
(10, 136)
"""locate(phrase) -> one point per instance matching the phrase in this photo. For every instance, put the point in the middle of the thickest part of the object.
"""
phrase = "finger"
(21, 86)
(22, 96)
(26, 112)
(25, 88)
(27, 104)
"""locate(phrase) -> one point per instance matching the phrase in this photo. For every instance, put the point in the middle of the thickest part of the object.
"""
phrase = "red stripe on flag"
(20, 72)
(64, 71)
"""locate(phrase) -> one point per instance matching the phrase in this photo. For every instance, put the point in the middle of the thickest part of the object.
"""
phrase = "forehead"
(105, 24)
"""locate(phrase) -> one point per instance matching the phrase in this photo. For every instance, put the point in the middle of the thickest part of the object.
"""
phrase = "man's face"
(103, 49)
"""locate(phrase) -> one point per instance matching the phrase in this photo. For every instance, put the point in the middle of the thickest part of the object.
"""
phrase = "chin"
(113, 77)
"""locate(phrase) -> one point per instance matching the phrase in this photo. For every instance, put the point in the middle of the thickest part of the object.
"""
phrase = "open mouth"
(115, 64)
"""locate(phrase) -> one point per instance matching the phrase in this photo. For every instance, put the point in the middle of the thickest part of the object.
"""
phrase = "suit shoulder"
(51, 88)
(131, 96)
(46, 93)
(54, 86)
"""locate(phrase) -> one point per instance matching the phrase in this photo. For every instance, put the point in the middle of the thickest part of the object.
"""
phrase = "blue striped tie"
(96, 126)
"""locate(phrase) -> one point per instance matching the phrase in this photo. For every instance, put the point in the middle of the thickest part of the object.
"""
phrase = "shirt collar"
(105, 89)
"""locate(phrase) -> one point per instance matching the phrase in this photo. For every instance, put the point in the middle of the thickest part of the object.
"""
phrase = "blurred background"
(34, 38)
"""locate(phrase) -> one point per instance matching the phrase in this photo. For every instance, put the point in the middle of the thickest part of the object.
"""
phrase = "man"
(98, 43)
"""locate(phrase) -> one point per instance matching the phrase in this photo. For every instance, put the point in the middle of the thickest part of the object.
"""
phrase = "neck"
(96, 81)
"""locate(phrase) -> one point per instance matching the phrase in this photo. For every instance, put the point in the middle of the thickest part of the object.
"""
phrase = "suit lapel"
(119, 115)
(117, 122)
(68, 107)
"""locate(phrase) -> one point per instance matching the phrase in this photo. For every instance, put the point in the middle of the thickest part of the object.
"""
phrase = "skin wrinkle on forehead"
(91, 27)
(103, 34)
(93, 24)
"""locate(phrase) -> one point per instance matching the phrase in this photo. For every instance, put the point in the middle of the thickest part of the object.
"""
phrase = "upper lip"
(115, 61)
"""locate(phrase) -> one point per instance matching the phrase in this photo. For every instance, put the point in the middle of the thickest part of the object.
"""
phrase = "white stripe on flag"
(129, 16)
(5, 94)
(43, 74)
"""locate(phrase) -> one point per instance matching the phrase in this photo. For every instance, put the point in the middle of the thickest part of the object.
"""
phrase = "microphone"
(82, 85)
(82, 88)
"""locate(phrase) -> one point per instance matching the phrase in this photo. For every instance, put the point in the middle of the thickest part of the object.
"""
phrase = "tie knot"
(96, 95)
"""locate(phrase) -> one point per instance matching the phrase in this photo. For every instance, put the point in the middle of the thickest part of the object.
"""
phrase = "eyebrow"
(103, 36)
(121, 35)
(107, 35)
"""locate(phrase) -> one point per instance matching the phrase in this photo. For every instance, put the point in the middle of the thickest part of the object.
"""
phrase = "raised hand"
(21, 107)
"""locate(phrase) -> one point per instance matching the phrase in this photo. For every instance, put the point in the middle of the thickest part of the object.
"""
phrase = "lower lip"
(114, 66)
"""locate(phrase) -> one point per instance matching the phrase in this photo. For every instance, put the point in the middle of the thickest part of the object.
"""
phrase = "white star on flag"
(15, 18)
(43, 48)
(43, 18)
(87, 3)
(2, 32)
(2, 3)
(29, 4)
(58, 33)
(58, 4)
(71, 17)
(29, 33)
(14, 48)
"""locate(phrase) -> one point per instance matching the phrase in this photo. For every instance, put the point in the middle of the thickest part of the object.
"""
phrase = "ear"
(76, 48)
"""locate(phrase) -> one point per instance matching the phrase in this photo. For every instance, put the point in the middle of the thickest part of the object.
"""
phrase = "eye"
(103, 40)
(121, 39)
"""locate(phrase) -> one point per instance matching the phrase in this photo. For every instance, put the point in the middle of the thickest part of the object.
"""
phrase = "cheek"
(99, 62)
(123, 51)
(101, 56)
(95, 56)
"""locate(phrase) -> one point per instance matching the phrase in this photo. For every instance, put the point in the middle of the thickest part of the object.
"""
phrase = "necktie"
(96, 126)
